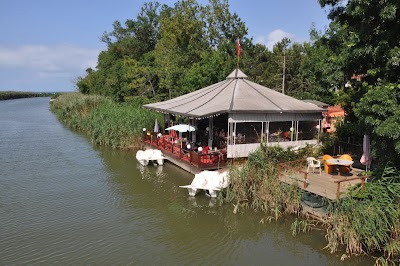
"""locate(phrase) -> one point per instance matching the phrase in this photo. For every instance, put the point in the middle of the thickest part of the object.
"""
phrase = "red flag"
(238, 53)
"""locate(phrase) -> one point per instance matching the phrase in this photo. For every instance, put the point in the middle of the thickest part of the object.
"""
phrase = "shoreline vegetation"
(119, 125)
(364, 223)
(9, 95)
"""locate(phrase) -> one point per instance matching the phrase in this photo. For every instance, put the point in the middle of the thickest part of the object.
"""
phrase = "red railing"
(202, 161)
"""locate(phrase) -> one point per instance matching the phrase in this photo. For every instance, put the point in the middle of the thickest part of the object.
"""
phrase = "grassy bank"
(106, 122)
(9, 95)
(365, 222)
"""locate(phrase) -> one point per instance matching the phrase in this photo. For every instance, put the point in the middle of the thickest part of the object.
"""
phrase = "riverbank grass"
(119, 125)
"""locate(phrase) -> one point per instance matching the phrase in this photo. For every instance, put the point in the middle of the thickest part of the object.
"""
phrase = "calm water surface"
(65, 201)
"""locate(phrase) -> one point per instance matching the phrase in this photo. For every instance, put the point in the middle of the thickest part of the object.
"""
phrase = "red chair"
(205, 156)
(205, 150)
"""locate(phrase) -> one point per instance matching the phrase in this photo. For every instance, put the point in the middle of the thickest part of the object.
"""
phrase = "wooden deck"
(330, 186)
(189, 160)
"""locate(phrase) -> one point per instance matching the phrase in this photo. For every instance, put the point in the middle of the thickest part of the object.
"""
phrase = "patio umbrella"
(366, 157)
(156, 129)
(182, 128)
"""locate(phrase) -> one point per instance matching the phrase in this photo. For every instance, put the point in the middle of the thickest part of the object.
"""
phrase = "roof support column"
(210, 131)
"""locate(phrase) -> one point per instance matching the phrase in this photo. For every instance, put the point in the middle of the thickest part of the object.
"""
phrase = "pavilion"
(237, 114)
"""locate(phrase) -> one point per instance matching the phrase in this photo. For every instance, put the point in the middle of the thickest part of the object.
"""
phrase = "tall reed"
(106, 122)
(256, 184)
(368, 220)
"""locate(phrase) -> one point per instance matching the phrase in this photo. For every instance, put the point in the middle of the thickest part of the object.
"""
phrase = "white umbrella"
(182, 128)
(156, 129)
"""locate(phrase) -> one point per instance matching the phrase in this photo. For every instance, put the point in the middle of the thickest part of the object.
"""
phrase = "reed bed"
(368, 221)
(256, 184)
(106, 122)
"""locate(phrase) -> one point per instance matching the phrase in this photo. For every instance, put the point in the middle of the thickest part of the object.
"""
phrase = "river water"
(66, 201)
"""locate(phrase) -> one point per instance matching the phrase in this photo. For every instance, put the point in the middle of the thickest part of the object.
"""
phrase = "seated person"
(286, 135)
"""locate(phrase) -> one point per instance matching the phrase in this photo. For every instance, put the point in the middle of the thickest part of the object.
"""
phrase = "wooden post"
(305, 180)
(338, 190)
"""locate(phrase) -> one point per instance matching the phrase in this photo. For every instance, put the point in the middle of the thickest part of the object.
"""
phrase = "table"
(217, 152)
(339, 162)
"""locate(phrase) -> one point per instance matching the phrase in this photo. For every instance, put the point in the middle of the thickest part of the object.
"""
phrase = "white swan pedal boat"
(211, 181)
(153, 155)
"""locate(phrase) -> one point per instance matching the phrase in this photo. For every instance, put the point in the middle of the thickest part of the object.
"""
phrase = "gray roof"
(317, 103)
(236, 94)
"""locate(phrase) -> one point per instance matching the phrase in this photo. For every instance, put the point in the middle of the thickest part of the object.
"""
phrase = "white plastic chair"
(313, 163)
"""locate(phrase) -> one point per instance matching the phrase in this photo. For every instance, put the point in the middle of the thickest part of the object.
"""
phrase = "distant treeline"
(8, 95)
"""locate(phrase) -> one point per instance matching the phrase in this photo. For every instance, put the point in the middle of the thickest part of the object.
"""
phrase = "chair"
(328, 168)
(313, 163)
(345, 168)
(205, 149)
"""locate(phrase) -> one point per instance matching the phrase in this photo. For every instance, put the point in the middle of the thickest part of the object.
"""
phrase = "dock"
(189, 160)
(331, 186)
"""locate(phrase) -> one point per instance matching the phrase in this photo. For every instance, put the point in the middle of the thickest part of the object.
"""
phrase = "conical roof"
(236, 94)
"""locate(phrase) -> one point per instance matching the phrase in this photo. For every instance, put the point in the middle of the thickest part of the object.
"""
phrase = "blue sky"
(46, 44)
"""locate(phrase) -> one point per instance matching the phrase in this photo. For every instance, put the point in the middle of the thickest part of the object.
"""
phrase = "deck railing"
(297, 166)
(362, 178)
(202, 161)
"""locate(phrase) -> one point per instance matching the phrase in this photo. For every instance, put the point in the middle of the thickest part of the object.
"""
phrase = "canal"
(66, 201)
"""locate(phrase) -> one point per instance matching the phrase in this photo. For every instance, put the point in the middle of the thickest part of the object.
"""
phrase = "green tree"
(321, 70)
(365, 34)
(181, 44)
(139, 36)
(222, 26)
(379, 112)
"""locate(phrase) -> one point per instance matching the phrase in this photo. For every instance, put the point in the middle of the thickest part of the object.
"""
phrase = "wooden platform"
(191, 161)
(330, 186)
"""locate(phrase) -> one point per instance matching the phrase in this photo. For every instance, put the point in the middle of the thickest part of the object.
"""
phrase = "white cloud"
(42, 58)
(45, 64)
(276, 36)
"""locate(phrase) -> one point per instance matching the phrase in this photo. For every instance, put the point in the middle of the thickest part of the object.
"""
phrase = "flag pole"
(238, 52)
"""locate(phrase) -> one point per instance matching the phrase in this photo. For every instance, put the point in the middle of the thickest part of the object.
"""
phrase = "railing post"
(338, 190)
(305, 180)
(362, 183)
